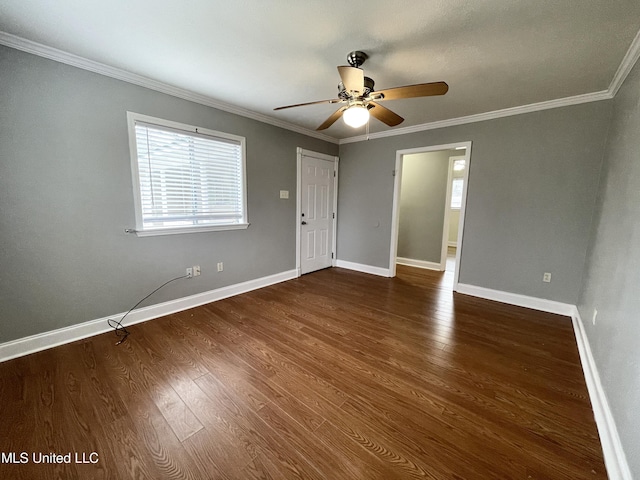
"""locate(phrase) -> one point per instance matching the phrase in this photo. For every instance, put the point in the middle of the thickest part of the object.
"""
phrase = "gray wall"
(532, 186)
(422, 203)
(66, 197)
(612, 275)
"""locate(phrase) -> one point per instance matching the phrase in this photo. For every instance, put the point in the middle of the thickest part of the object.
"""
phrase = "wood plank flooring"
(335, 375)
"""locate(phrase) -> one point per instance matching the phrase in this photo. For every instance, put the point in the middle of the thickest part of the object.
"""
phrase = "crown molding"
(626, 65)
(51, 53)
(628, 62)
(481, 117)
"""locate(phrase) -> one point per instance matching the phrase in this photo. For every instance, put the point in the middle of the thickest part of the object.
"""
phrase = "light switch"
(284, 193)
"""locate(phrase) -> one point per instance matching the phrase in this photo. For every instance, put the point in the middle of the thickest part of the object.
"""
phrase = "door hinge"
(334, 215)
(331, 254)
(393, 173)
(334, 173)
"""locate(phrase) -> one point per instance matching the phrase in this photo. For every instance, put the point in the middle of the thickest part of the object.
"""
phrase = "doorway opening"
(453, 207)
(430, 190)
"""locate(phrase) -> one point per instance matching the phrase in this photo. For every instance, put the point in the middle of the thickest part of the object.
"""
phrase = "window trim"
(140, 231)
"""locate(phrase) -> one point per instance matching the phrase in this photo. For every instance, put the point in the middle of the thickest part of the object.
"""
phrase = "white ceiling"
(260, 54)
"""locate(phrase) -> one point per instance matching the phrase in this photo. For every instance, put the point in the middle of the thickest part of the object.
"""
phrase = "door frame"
(447, 211)
(300, 152)
(395, 214)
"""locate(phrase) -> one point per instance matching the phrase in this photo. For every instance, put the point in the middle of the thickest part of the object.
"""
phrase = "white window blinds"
(188, 179)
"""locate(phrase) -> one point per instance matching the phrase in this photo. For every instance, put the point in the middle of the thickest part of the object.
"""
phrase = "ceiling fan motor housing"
(368, 86)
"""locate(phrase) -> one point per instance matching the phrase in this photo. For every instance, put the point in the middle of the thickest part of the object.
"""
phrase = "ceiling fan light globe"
(356, 116)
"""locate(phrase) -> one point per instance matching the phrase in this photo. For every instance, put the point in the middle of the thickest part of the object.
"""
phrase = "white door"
(316, 219)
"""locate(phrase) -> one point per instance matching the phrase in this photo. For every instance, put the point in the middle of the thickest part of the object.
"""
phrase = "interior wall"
(454, 220)
(422, 203)
(612, 278)
(532, 186)
(66, 196)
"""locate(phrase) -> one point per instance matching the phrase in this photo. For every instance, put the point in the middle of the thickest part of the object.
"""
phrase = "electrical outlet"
(595, 314)
(190, 272)
(546, 277)
(196, 270)
(220, 266)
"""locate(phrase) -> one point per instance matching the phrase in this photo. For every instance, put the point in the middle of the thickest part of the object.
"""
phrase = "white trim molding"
(614, 457)
(43, 341)
(19, 43)
(360, 267)
(61, 56)
(411, 262)
(481, 117)
(517, 299)
(625, 67)
(628, 62)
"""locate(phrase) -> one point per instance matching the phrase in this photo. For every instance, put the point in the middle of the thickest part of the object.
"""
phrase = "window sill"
(176, 231)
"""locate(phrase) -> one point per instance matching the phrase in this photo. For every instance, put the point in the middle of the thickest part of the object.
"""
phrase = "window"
(456, 193)
(458, 165)
(185, 178)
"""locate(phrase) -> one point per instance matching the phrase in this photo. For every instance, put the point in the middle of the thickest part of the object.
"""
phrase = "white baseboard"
(535, 303)
(614, 457)
(359, 267)
(418, 263)
(42, 341)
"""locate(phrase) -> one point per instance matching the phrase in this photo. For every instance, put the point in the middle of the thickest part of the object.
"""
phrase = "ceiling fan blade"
(352, 79)
(333, 100)
(331, 120)
(385, 115)
(412, 91)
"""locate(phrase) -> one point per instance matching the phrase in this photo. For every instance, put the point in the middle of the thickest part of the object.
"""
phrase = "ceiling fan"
(360, 100)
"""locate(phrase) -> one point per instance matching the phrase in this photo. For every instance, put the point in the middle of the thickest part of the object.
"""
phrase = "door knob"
(304, 223)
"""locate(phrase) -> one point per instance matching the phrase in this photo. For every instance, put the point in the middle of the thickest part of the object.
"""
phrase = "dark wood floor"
(335, 375)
